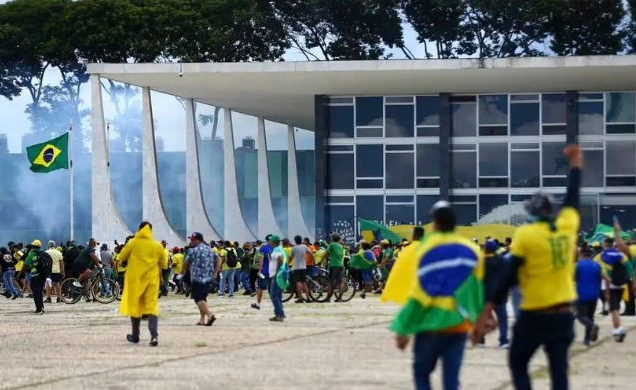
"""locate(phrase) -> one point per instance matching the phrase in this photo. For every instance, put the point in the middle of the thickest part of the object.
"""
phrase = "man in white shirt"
(57, 273)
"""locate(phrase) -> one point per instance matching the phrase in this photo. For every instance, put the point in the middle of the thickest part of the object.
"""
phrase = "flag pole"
(70, 149)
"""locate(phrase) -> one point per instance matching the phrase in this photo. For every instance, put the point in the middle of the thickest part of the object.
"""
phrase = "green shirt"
(387, 253)
(336, 254)
(256, 256)
(29, 263)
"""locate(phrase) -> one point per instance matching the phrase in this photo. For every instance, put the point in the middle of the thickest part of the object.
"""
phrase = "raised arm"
(575, 155)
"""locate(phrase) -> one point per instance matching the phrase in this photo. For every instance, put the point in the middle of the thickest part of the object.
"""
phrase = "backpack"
(231, 258)
(44, 264)
(619, 274)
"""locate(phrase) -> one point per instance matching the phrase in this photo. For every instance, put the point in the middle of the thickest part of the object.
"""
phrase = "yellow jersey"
(177, 262)
(545, 276)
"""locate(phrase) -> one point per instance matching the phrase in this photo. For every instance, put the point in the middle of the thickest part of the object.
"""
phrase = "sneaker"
(300, 301)
(504, 346)
(14, 297)
(277, 319)
(58, 300)
(221, 296)
(47, 300)
(586, 343)
(230, 296)
(247, 293)
(39, 312)
(132, 339)
(256, 306)
(620, 337)
(77, 284)
(363, 295)
(154, 342)
(594, 333)
(253, 294)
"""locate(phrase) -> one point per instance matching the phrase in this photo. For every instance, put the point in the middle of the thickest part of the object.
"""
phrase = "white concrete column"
(235, 227)
(295, 222)
(153, 210)
(197, 219)
(106, 222)
(266, 218)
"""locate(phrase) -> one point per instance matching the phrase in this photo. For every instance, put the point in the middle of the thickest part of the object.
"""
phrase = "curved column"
(197, 219)
(266, 219)
(235, 227)
(296, 221)
(107, 225)
(153, 210)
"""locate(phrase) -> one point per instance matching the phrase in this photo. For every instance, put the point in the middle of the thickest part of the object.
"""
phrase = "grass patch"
(200, 345)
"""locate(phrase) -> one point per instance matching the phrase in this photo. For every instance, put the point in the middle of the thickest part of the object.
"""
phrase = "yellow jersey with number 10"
(546, 274)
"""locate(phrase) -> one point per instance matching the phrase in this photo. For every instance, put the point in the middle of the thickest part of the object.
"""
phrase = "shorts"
(616, 296)
(56, 278)
(200, 291)
(263, 283)
(367, 275)
(299, 275)
(336, 274)
(80, 268)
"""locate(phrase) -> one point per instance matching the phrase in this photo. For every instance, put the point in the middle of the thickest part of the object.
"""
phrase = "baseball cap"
(385, 242)
(274, 238)
(196, 236)
(36, 243)
(490, 246)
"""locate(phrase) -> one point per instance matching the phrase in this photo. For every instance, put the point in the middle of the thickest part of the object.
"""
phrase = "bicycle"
(317, 284)
(101, 289)
(349, 286)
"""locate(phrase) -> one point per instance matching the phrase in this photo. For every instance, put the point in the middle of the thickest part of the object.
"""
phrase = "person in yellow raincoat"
(146, 258)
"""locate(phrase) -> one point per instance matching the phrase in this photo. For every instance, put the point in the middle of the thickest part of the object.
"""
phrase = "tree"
(334, 29)
(630, 31)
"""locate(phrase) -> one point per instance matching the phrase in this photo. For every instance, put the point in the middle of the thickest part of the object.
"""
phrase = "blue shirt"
(588, 280)
(266, 251)
(201, 261)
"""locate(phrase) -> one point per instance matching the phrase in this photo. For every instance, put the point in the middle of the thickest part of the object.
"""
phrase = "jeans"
(555, 331)
(245, 280)
(515, 294)
(37, 286)
(276, 295)
(585, 314)
(227, 276)
(7, 277)
(430, 347)
(105, 285)
(502, 318)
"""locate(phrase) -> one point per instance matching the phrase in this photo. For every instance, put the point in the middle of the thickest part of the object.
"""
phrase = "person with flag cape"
(440, 285)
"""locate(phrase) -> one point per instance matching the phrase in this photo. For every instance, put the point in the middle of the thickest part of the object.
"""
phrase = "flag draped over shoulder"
(359, 262)
(49, 156)
(440, 284)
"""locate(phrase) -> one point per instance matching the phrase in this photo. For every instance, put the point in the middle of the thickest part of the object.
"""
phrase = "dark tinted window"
(339, 219)
(493, 109)
(524, 119)
(590, 118)
(493, 159)
(594, 163)
(428, 160)
(490, 208)
(466, 214)
(427, 110)
(464, 122)
(620, 158)
(464, 173)
(340, 121)
(399, 121)
(369, 161)
(554, 162)
(553, 107)
(620, 107)
(340, 171)
(369, 111)
(524, 169)
(400, 214)
(400, 170)
(371, 207)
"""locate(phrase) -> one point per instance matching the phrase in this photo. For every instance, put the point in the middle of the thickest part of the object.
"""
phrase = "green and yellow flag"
(49, 156)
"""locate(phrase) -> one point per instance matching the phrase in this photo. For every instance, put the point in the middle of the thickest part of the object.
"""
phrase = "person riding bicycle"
(85, 264)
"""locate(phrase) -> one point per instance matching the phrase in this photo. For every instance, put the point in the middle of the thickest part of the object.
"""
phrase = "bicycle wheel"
(288, 294)
(348, 289)
(105, 290)
(70, 293)
(319, 288)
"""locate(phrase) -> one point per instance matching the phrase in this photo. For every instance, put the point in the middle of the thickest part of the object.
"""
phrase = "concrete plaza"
(319, 346)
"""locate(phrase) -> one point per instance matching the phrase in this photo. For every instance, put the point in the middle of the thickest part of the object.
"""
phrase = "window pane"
(593, 176)
(524, 119)
(464, 173)
(371, 207)
(340, 171)
(590, 118)
(340, 121)
(490, 210)
(427, 110)
(369, 183)
(339, 219)
(369, 161)
(428, 160)
(493, 109)
(466, 214)
(369, 111)
(399, 214)
(620, 107)
(554, 162)
(553, 107)
(464, 123)
(399, 121)
(493, 159)
(424, 204)
(524, 169)
(620, 158)
(366, 132)
(428, 131)
(400, 170)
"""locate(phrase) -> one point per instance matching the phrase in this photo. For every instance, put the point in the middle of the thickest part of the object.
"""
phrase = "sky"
(169, 114)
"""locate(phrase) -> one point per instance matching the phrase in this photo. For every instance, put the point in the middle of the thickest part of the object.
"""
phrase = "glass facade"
(276, 137)
(383, 158)
(305, 142)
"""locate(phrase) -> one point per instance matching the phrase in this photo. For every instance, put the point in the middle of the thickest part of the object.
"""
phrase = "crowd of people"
(450, 287)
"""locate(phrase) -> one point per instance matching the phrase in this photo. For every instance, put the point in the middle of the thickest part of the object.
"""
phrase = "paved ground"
(320, 346)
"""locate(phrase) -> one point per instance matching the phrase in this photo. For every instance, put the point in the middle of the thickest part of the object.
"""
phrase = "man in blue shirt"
(263, 275)
(204, 266)
(588, 276)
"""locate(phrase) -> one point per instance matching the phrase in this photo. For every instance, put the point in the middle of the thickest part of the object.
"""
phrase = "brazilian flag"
(49, 156)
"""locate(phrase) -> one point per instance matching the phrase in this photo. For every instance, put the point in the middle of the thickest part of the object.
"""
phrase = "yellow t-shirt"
(57, 258)
(319, 255)
(19, 265)
(632, 252)
(545, 277)
(177, 263)
(120, 264)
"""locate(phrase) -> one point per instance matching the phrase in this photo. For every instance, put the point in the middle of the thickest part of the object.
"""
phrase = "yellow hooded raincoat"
(146, 258)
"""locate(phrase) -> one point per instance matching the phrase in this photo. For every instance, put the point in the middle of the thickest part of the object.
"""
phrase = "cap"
(385, 242)
(274, 238)
(268, 237)
(196, 236)
(36, 243)
(490, 246)
(175, 249)
(440, 204)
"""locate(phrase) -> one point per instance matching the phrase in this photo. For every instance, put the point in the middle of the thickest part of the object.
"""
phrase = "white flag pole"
(70, 170)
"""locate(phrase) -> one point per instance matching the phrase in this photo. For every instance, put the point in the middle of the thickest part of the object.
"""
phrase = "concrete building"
(389, 139)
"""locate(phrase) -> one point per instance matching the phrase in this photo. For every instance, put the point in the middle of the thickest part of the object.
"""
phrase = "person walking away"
(146, 258)
(8, 273)
(246, 266)
(542, 260)
(588, 276)
(367, 274)
(620, 272)
(255, 265)
(165, 272)
(229, 261)
(106, 258)
(57, 273)
(299, 254)
(495, 266)
(629, 251)
(447, 295)
(262, 283)
(177, 267)
(204, 266)
(335, 259)
(70, 255)
(35, 263)
(278, 258)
